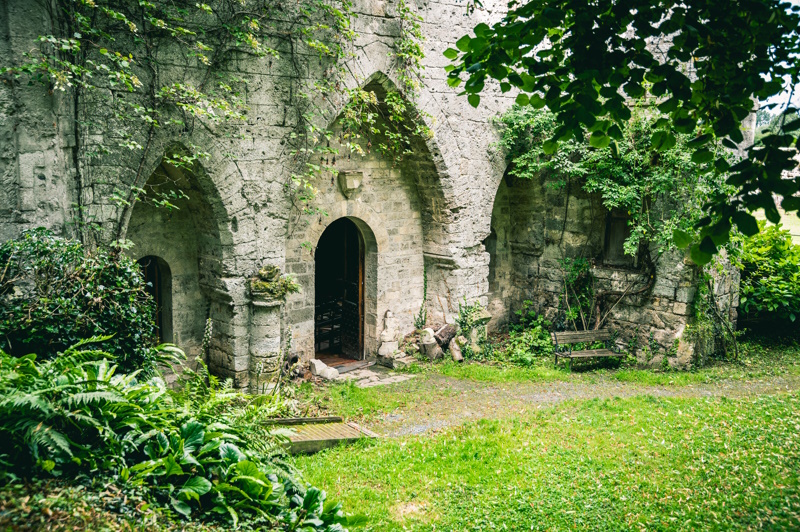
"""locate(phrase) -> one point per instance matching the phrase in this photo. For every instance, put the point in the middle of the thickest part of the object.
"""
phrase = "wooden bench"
(563, 341)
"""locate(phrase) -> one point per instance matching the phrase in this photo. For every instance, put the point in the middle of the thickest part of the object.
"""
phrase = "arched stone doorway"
(158, 277)
(339, 291)
(345, 289)
(185, 241)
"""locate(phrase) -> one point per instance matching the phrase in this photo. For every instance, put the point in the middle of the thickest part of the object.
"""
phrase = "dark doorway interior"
(339, 314)
(158, 277)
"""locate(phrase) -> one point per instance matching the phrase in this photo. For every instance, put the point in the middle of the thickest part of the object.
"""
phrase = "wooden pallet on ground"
(311, 435)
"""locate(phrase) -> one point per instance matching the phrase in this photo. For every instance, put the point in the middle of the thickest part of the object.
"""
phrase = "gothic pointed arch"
(179, 219)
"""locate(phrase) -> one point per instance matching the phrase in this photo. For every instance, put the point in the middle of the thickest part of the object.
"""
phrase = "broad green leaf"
(451, 54)
(522, 99)
(181, 507)
(192, 433)
(682, 239)
(198, 485)
(699, 256)
(171, 467)
(474, 99)
(536, 101)
(230, 453)
(463, 43)
(549, 147)
(599, 139)
(663, 140)
(702, 156)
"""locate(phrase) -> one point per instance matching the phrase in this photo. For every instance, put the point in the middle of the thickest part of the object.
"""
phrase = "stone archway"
(345, 289)
(158, 276)
(189, 238)
(302, 307)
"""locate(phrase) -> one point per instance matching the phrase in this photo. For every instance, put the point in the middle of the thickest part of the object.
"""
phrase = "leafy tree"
(55, 293)
(661, 190)
(770, 265)
(703, 61)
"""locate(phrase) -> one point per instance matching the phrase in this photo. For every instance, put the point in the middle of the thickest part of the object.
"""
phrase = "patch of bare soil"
(456, 401)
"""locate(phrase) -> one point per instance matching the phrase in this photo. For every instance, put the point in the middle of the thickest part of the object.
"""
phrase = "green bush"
(529, 338)
(55, 292)
(770, 265)
(74, 416)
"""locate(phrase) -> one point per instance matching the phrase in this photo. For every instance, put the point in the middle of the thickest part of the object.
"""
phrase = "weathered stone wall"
(534, 226)
(445, 209)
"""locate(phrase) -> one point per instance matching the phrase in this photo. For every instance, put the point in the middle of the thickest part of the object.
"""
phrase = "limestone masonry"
(448, 213)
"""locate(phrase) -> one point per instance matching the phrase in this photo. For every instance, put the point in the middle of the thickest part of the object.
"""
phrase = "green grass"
(641, 463)
(758, 358)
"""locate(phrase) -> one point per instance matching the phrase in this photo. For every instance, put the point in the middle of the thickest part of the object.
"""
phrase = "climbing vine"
(662, 192)
(137, 70)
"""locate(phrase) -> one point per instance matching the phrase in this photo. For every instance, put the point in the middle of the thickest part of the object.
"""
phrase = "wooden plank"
(567, 337)
(302, 420)
(317, 434)
(590, 353)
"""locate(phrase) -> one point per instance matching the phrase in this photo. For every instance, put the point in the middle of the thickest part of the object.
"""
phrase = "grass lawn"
(758, 360)
(613, 464)
(669, 463)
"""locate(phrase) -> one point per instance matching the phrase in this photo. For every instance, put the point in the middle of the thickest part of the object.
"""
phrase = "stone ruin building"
(448, 213)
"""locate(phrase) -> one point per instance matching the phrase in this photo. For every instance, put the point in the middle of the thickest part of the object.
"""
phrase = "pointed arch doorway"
(339, 293)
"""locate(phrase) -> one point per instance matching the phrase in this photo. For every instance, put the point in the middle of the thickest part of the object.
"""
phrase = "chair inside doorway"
(339, 291)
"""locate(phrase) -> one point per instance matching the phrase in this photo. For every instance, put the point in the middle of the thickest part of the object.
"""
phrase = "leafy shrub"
(74, 415)
(271, 282)
(473, 318)
(770, 265)
(54, 292)
(529, 338)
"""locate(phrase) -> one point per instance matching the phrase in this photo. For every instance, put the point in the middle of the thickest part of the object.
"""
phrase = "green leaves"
(451, 54)
(745, 222)
(663, 140)
(746, 51)
(681, 238)
(770, 286)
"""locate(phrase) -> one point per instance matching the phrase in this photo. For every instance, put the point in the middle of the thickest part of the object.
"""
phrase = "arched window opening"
(339, 292)
(158, 277)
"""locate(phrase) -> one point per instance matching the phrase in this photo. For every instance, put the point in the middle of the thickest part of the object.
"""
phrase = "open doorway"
(339, 294)
(158, 279)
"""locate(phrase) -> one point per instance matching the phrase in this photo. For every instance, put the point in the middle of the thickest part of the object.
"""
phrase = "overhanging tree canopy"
(704, 61)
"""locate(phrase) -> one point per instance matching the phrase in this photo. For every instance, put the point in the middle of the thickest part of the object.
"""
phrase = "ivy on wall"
(660, 190)
(135, 70)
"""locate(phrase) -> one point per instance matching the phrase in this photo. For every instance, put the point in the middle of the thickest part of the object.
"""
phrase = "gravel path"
(446, 401)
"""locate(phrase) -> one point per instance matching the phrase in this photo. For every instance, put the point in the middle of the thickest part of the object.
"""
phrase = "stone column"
(265, 342)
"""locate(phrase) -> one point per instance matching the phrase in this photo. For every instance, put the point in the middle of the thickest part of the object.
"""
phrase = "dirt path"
(445, 401)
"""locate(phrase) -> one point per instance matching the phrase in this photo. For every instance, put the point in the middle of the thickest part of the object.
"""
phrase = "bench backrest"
(573, 337)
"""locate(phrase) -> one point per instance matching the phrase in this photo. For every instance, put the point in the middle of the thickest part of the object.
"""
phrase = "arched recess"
(185, 235)
(404, 203)
(345, 289)
(533, 227)
(435, 200)
(379, 295)
(158, 276)
(515, 243)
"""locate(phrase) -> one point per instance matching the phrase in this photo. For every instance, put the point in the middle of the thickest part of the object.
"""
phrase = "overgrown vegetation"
(770, 286)
(271, 282)
(202, 451)
(661, 190)
(705, 63)
(528, 339)
(54, 293)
